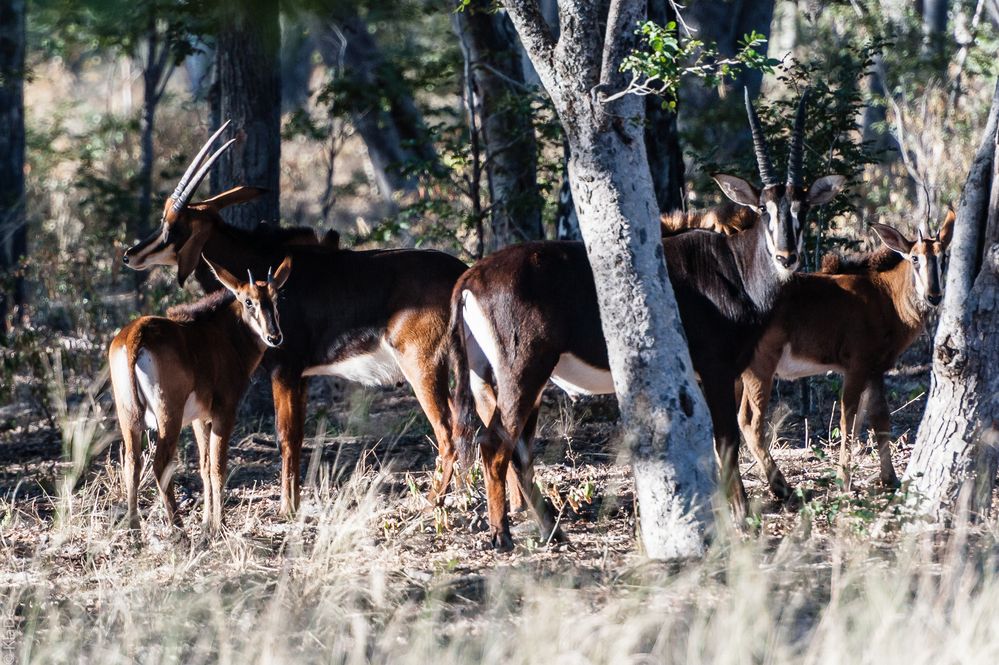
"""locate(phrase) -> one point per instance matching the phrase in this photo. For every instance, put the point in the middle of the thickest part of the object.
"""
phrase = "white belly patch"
(578, 378)
(378, 367)
(477, 323)
(793, 367)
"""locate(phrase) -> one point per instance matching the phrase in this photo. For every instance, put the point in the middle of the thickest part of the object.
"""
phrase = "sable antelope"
(198, 228)
(529, 313)
(375, 317)
(728, 218)
(855, 318)
(192, 367)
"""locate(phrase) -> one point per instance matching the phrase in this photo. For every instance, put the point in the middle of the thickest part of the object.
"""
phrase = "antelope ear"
(738, 190)
(240, 194)
(892, 239)
(190, 254)
(947, 229)
(227, 279)
(825, 189)
(282, 273)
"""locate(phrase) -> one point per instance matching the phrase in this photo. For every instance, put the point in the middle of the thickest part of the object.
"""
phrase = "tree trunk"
(13, 231)
(382, 111)
(249, 93)
(297, 47)
(953, 464)
(665, 421)
(935, 26)
(723, 22)
(492, 53)
(662, 135)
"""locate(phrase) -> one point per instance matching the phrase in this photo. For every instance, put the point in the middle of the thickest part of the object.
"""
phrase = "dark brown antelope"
(855, 318)
(376, 317)
(192, 367)
(529, 313)
(198, 228)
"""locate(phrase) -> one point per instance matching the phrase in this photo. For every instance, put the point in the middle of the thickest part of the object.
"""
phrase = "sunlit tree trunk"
(13, 232)
(953, 464)
(665, 421)
(248, 74)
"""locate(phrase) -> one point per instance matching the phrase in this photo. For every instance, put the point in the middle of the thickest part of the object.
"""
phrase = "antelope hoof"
(557, 536)
(500, 540)
(889, 483)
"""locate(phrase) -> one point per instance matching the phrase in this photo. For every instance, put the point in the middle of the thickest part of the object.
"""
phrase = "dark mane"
(859, 263)
(200, 309)
(270, 235)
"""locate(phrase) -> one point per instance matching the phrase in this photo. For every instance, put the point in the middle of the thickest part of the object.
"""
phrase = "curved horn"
(270, 275)
(760, 145)
(185, 196)
(196, 162)
(797, 152)
(249, 273)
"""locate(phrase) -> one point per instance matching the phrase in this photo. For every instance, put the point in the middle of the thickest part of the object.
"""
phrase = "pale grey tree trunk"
(492, 54)
(953, 464)
(665, 420)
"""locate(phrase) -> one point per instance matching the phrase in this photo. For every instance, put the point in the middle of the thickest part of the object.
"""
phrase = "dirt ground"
(353, 430)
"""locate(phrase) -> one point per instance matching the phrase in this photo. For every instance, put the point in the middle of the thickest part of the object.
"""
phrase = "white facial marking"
(578, 378)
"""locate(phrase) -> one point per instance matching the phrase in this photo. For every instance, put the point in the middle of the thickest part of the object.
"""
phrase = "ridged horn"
(195, 163)
(760, 145)
(188, 192)
(796, 154)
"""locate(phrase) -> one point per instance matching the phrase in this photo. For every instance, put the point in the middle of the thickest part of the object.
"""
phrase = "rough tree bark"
(13, 232)
(492, 54)
(248, 75)
(665, 422)
(381, 109)
(953, 464)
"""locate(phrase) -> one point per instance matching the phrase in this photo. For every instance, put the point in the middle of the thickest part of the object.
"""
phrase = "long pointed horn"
(185, 196)
(797, 153)
(760, 146)
(270, 275)
(196, 162)
(249, 274)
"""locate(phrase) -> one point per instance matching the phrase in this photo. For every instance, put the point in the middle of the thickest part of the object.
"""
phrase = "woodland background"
(421, 123)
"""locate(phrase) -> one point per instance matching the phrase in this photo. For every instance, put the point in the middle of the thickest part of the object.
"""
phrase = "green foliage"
(664, 58)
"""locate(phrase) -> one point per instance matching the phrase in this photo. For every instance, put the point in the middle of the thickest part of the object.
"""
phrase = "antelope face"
(926, 256)
(258, 300)
(161, 246)
(782, 208)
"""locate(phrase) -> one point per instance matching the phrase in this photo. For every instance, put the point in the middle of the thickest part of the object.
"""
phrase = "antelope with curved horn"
(192, 367)
(528, 313)
(198, 227)
(855, 318)
(376, 317)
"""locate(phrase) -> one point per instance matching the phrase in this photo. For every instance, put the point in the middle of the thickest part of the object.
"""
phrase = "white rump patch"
(121, 380)
(579, 378)
(794, 367)
(477, 323)
(148, 381)
(376, 368)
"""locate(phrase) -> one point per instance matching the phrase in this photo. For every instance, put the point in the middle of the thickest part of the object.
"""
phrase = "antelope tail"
(465, 416)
